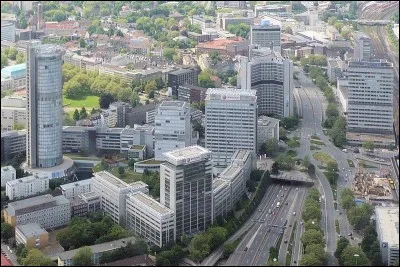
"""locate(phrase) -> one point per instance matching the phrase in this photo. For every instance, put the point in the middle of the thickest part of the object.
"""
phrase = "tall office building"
(266, 35)
(362, 46)
(231, 123)
(271, 75)
(172, 127)
(370, 96)
(45, 111)
(186, 188)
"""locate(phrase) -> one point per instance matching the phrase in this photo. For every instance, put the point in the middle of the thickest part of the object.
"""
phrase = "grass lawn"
(88, 102)
(350, 162)
(129, 176)
(316, 137)
(317, 142)
(312, 147)
(323, 157)
(291, 153)
(337, 226)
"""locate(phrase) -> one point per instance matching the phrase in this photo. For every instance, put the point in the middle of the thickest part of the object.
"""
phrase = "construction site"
(374, 188)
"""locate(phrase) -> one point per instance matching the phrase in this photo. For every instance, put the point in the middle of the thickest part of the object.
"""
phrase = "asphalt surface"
(253, 250)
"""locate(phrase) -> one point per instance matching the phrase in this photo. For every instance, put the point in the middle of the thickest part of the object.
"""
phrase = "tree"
(204, 79)
(368, 145)
(83, 113)
(36, 258)
(12, 53)
(310, 259)
(131, 163)
(20, 58)
(121, 170)
(217, 236)
(6, 231)
(342, 243)
(332, 20)
(285, 162)
(306, 161)
(241, 29)
(318, 250)
(105, 100)
(151, 94)
(312, 237)
(233, 80)
(288, 30)
(3, 60)
(312, 212)
(83, 257)
(67, 121)
(150, 86)
(332, 166)
(124, 94)
(275, 168)
(292, 143)
(75, 116)
(229, 248)
(348, 258)
(199, 247)
(311, 169)
(169, 53)
(359, 216)
(271, 147)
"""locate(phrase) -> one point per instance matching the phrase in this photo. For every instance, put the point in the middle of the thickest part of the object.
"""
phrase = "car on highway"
(259, 210)
(281, 232)
(294, 213)
(350, 234)
(294, 262)
(297, 189)
(302, 223)
(287, 203)
(270, 211)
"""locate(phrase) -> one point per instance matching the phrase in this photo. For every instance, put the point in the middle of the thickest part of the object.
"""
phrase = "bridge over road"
(294, 177)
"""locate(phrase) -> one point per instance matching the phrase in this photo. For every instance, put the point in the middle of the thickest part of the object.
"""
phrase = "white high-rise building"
(45, 112)
(370, 96)
(26, 186)
(186, 188)
(231, 123)
(387, 228)
(362, 46)
(172, 128)
(266, 35)
(76, 188)
(271, 75)
(8, 173)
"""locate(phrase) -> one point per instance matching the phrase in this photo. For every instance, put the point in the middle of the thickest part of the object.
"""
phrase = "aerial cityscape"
(206, 133)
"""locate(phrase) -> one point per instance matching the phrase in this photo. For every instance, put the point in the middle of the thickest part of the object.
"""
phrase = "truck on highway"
(278, 205)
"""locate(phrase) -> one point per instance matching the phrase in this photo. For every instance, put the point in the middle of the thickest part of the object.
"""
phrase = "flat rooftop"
(388, 220)
(241, 154)
(111, 179)
(265, 121)
(217, 183)
(31, 229)
(180, 71)
(138, 185)
(187, 153)
(178, 104)
(33, 201)
(75, 184)
(230, 92)
(376, 137)
(150, 203)
(230, 172)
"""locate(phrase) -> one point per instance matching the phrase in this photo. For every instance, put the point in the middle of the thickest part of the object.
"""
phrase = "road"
(12, 256)
(267, 229)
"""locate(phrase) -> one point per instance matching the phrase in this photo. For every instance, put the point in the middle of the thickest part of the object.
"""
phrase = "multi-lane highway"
(270, 222)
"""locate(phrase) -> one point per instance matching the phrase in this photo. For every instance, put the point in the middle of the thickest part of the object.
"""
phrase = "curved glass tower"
(44, 82)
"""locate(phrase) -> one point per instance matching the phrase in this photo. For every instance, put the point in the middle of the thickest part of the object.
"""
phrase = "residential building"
(113, 192)
(66, 258)
(32, 235)
(172, 128)
(26, 186)
(370, 99)
(8, 31)
(271, 76)
(48, 211)
(148, 218)
(13, 112)
(266, 35)
(45, 111)
(267, 128)
(202, 22)
(222, 198)
(84, 63)
(387, 228)
(76, 188)
(235, 176)
(224, 108)
(245, 159)
(186, 188)
(8, 173)
(191, 93)
(12, 143)
(362, 46)
(182, 76)
(334, 69)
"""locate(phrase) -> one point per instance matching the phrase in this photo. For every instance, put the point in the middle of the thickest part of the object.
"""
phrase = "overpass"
(371, 22)
(293, 178)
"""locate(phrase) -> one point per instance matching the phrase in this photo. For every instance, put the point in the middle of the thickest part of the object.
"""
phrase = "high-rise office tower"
(186, 188)
(231, 123)
(45, 111)
(271, 75)
(266, 35)
(370, 96)
(362, 46)
(172, 128)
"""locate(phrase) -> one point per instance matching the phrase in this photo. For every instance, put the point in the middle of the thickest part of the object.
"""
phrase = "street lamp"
(356, 255)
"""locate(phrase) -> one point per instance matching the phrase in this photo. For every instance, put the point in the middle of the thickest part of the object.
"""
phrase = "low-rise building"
(8, 173)
(191, 93)
(46, 210)
(180, 77)
(245, 159)
(32, 235)
(93, 201)
(148, 218)
(222, 198)
(137, 152)
(26, 186)
(79, 207)
(13, 77)
(387, 228)
(267, 128)
(85, 63)
(76, 188)
(66, 258)
(202, 22)
(12, 143)
(235, 176)
(335, 69)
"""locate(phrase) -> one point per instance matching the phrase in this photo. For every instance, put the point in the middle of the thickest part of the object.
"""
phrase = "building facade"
(387, 228)
(266, 35)
(271, 76)
(362, 46)
(45, 111)
(12, 143)
(370, 99)
(223, 134)
(172, 128)
(222, 198)
(32, 235)
(8, 173)
(13, 112)
(76, 188)
(182, 76)
(186, 188)
(26, 186)
(191, 93)
(267, 128)
(8, 31)
(148, 218)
